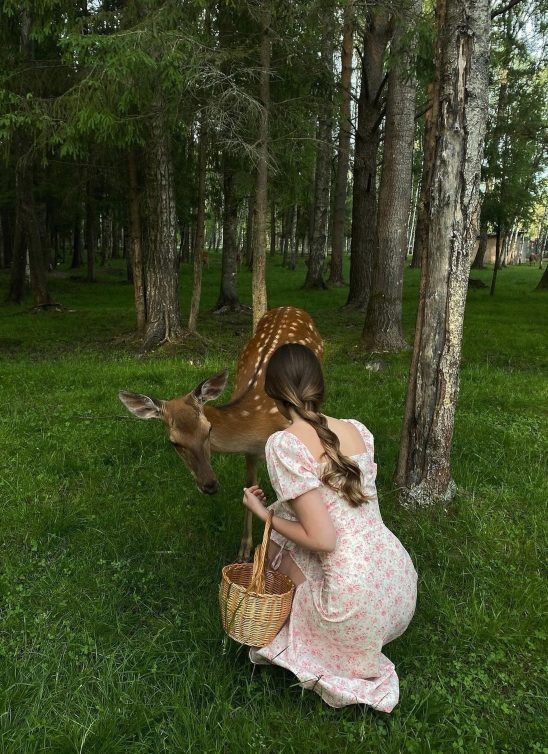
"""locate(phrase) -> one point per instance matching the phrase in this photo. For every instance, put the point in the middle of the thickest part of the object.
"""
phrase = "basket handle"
(259, 560)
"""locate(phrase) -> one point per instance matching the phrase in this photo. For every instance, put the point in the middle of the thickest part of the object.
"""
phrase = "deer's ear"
(212, 388)
(141, 405)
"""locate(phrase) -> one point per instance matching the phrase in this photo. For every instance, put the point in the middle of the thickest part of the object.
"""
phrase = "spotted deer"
(244, 423)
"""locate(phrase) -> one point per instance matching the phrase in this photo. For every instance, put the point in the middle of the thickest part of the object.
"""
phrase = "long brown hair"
(294, 377)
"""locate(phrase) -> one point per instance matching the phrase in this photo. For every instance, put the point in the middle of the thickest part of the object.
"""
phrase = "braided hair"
(294, 377)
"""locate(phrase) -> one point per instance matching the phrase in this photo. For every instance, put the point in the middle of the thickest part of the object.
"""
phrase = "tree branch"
(381, 87)
(500, 11)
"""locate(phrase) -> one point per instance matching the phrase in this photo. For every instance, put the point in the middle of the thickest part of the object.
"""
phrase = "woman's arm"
(314, 530)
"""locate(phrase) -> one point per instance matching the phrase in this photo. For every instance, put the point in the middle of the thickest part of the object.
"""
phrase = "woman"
(355, 583)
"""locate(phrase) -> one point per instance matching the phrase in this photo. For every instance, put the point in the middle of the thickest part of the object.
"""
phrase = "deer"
(243, 425)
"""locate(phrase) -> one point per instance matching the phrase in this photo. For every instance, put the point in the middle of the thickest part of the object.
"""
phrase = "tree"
(199, 239)
(383, 322)
(516, 142)
(318, 240)
(423, 472)
(261, 199)
(161, 268)
(343, 152)
(364, 241)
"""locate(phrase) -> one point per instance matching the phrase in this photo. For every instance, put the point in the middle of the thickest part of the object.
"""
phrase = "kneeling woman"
(356, 584)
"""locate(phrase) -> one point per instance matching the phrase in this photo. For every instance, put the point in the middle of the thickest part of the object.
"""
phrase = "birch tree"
(423, 472)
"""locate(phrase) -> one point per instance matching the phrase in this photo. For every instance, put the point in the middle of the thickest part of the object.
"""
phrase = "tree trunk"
(115, 236)
(18, 259)
(293, 241)
(91, 231)
(382, 330)
(285, 236)
(479, 259)
(200, 231)
(364, 204)
(2, 244)
(76, 244)
(336, 278)
(316, 256)
(136, 244)
(260, 303)
(8, 221)
(37, 261)
(421, 229)
(106, 237)
(272, 229)
(161, 263)
(462, 59)
(249, 232)
(496, 266)
(228, 297)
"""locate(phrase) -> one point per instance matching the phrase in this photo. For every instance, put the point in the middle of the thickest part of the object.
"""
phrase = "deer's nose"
(210, 488)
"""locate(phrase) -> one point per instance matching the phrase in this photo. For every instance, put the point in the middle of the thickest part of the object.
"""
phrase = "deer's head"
(187, 426)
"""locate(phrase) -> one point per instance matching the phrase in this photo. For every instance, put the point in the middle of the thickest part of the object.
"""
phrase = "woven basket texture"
(255, 602)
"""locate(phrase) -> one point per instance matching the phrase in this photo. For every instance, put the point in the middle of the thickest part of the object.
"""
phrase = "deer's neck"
(243, 427)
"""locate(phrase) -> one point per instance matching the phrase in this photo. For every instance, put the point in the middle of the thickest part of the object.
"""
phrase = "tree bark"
(29, 223)
(462, 57)
(260, 303)
(136, 244)
(76, 244)
(364, 205)
(249, 232)
(336, 278)
(228, 297)
(91, 230)
(272, 229)
(199, 242)
(8, 221)
(292, 255)
(496, 266)
(18, 259)
(382, 330)
(421, 229)
(161, 264)
(37, 261)
(316, 256)
(479, 259)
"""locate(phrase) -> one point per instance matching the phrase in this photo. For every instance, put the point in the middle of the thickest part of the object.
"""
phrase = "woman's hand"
(254, 500)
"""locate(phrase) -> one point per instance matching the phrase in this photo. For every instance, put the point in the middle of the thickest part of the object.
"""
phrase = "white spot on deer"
(273, 410)
(256, 398)
(244, 413)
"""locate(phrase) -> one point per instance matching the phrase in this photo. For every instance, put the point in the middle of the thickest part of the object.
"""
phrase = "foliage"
(516, 143)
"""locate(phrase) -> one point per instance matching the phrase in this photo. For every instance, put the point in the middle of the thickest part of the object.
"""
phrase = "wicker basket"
(254, 602)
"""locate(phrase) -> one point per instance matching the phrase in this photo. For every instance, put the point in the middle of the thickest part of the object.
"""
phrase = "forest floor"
(110, 639)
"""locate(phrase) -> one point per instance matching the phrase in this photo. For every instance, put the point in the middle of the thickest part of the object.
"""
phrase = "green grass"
(110, 640)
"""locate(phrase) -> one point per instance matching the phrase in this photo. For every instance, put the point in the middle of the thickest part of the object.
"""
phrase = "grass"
(110, 639)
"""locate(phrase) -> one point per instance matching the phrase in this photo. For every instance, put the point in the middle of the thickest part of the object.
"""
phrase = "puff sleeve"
(290, 468)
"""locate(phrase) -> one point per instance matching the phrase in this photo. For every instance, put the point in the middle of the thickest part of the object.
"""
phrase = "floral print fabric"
(354, 600)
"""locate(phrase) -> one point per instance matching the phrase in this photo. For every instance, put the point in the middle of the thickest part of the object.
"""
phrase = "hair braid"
(340, 473)
(294, 376)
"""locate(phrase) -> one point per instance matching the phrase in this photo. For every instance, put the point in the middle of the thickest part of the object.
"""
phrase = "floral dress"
(354, 600)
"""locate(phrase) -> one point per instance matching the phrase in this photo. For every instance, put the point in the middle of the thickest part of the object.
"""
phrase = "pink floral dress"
(354, 600)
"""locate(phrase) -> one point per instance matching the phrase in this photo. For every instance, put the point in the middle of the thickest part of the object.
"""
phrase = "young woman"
(355, 582)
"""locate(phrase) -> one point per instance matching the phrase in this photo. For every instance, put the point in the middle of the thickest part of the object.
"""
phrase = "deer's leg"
(247, 536)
